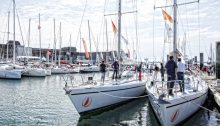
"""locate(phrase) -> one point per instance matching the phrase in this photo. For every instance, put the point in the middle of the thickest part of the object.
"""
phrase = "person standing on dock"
(180, 73)
(103, 70)
(115, 66)
(171, 68)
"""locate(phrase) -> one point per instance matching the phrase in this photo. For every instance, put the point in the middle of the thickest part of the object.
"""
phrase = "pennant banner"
(114, 27)
(85, 48)
(166, 16)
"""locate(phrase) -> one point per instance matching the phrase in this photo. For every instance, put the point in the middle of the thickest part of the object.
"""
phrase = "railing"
(70, 80)
(162, 88)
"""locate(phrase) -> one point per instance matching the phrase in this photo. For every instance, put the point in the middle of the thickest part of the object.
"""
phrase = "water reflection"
(133, 113)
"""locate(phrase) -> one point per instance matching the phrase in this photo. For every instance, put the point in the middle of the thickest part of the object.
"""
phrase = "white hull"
(34, 72)
(10, 74)
(173, 110)
(59, 71)
(48, 72)
(92, 97)
(73, 70)
(89, 69)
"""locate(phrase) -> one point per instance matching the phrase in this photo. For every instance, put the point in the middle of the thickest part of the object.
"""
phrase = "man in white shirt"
(180, 73)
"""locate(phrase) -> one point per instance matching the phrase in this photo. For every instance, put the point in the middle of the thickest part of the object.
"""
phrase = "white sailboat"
(172, 110)
(6, 71)
(89, 68)
(93, 95)
(58, 69)
(31, 71)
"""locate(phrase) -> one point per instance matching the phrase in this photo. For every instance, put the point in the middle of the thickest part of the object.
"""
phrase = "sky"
(143, 29)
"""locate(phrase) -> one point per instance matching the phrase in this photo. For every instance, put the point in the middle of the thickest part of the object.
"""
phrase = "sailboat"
(58, 69)
(89, 67)
(30, 70)
(8, 71)
(93, 95)
(172, 110)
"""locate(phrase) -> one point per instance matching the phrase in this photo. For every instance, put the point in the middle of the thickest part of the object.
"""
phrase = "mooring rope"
(142, 96)
(201, 106)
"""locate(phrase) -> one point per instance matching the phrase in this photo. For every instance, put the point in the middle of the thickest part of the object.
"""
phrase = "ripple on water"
(42, 101)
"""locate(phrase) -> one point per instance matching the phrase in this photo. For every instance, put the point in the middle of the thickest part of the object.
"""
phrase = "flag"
(49, 53)
(129, 55)
(85, 47)
(114, 27)
(124, 39)
(166, 16)
(168, 30)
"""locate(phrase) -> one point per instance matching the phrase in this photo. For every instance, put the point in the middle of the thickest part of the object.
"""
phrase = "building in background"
(68, 54)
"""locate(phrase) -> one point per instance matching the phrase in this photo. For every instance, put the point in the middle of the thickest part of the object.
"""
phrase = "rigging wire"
(22, 38)
(153, 28)
(78, 35)
(199, 25)
(187, 29)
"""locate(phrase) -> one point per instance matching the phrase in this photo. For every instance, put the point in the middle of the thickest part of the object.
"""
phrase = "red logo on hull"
(174, 116)
(86, 102)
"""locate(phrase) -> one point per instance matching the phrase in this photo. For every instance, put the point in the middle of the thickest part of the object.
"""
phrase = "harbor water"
(35, 101)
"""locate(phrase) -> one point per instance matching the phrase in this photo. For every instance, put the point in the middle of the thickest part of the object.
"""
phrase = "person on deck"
(180, 73)
(156, 70)
(162, 70)
(171, 68)
(115, 66)
(103, 70)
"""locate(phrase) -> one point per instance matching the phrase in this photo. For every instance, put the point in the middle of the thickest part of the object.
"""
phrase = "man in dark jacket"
(115, 66)
(103, 70)
(171, 68)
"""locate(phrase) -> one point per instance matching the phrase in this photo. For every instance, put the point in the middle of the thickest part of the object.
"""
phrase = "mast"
(60, 45)
(175, 31)
(39, 28)
(80, 42)
(29, 33)
(14, 32)
(90, 45)
(184, 47)
(55, 42)
(8, 33)
(69, 54)
(106, 41)
(119, 30)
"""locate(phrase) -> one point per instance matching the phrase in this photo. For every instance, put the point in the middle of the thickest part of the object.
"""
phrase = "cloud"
(70, 12)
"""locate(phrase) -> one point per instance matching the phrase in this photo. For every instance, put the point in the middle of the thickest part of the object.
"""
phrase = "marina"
(42, 101)
(118, 79)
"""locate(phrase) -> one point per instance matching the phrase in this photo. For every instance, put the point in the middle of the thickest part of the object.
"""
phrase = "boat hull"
(89, 69)
(34, 72)
(176, 111)
(10, 74)
(59, 71)
(92, 98)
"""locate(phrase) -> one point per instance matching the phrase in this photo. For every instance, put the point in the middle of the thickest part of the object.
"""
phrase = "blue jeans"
(170, 85)
(115, 74)
(180, 76)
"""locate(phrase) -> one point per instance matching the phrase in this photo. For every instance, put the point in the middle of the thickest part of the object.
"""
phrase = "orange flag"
(85, 47)
(166, 16)
(114, 27)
